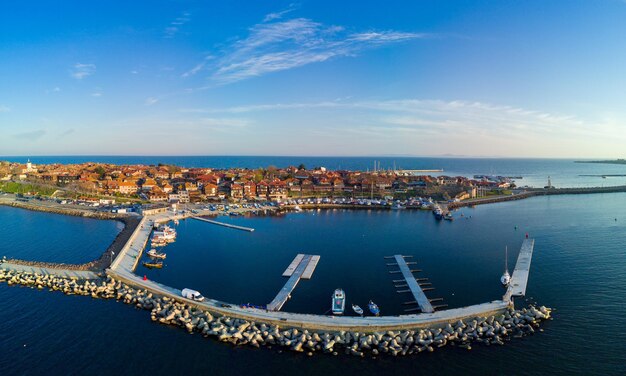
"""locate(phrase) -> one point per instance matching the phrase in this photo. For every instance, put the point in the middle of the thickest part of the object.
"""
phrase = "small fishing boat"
(448, 217)
(339, 302)
(373, 308)
(397, 206)
(153, 264)
(155, 254)
(506, 277)
(358, 310)
(438, 212)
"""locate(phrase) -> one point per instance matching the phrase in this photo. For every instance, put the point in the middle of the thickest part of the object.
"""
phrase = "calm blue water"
(535, 172)
(50, 237)
(579, 268)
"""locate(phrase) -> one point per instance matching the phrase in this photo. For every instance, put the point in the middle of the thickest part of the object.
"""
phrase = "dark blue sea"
(578, 268)
(534, 172)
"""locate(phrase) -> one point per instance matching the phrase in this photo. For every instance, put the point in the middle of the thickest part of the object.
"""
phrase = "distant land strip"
(614, 161)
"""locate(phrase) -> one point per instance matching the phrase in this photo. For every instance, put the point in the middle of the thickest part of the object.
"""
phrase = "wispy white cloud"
(282, 45)
(174, 27)
(96, 94)
(30, 135)
(66, 133)
(432, 117)
(80, 70)
(150, 101)
(278, 15)
(55, 89)
(263, 107)
(197, 68)
(5, 108)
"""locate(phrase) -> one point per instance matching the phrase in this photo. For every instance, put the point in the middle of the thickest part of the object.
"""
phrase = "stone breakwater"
(58, 209)
(492, 330)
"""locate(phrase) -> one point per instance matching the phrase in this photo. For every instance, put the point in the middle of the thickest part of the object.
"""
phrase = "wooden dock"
(519, 278)
(302, 267)
(414, 287)
(224, 224)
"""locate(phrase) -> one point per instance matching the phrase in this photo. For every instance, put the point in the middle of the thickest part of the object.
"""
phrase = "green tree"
(100, 171)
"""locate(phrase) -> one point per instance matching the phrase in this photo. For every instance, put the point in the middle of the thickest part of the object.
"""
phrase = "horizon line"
(300, 156)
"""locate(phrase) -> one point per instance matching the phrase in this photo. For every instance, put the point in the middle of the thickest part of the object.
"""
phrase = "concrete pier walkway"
(519, 278)
(320, 322)
(129, 256)
(300, 265)
(412, 284)
(224, 224)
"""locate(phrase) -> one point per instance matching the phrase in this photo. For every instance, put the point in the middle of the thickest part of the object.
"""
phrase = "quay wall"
(538, 192)
(321, 322)
(122, 251)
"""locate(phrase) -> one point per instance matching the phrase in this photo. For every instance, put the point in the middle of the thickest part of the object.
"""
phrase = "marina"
(295, 271)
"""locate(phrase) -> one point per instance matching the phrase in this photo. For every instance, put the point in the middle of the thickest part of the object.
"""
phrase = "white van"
(192, 294)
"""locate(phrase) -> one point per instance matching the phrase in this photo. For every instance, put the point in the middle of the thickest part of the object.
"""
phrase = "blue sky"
(475, 78)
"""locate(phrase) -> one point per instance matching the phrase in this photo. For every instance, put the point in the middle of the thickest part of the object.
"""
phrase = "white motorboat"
(339, 302)
(155, 254)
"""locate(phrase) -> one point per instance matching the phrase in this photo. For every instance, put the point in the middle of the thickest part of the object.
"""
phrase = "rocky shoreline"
(492, 330)
(77, 212)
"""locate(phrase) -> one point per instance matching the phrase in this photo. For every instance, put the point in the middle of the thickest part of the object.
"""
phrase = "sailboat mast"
(506, 258)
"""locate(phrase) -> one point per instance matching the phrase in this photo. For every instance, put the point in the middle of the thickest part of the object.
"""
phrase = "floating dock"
(519, 278)
(414, 287)
(302, 267)
(224, 224)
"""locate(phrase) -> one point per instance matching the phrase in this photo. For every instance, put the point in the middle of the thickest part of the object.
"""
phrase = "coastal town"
(105, 183)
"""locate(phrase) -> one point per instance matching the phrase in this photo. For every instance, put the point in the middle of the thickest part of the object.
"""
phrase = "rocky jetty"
(492, 330)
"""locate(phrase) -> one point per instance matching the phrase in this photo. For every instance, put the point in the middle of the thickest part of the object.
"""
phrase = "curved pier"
(320, 322)
(123, 269)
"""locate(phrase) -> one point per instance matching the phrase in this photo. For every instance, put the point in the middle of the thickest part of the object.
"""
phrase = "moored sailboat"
(506, 277)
